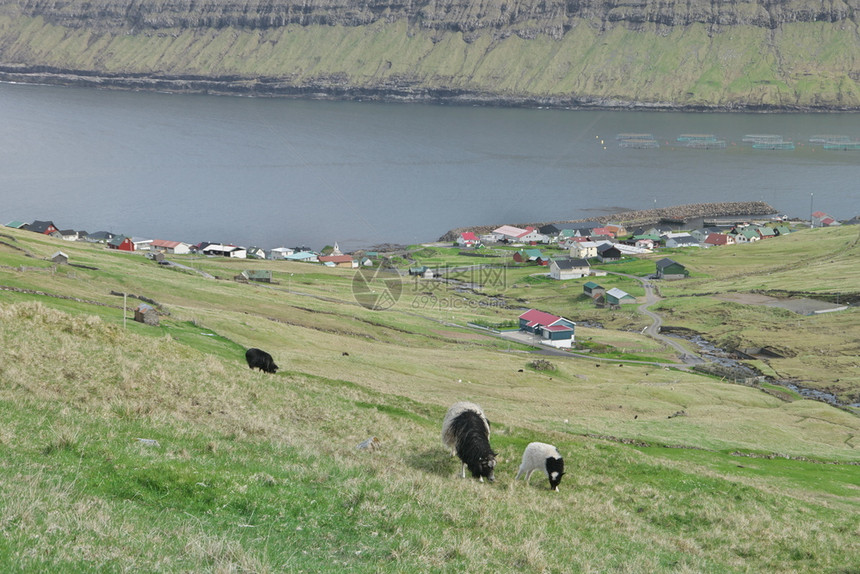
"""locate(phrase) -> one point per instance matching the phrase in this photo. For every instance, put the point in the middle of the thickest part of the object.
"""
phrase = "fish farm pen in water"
(637, 141)
(634, 140)
(768, 141)
(833, 142)
(701, 141)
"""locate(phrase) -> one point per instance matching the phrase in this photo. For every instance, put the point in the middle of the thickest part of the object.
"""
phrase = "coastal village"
(566, 250)
(558, 251)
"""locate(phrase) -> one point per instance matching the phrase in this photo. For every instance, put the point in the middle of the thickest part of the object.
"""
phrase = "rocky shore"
(646, 217)
(335, 89)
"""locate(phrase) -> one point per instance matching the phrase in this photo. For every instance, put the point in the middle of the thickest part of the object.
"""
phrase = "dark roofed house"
(122, 243)
(44, 227)
(592, 289)
(608, 252)
(669, 269)
(563, 269)
(100, 236)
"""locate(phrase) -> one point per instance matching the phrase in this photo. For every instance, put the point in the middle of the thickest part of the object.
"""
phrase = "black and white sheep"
(466, 432)
(545, 457)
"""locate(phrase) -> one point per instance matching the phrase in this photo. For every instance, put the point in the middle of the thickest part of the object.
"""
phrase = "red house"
(43, 227)
(122, 243)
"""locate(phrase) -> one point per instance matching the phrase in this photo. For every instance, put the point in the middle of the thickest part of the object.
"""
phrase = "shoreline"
(281, 88)
(644, 217)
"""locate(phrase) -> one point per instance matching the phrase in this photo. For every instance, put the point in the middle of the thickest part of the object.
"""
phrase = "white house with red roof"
(509, 233)
(174, 247)
(553, 330)
(468, 239)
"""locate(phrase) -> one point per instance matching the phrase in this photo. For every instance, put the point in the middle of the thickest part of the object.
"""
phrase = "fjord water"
(272, 172)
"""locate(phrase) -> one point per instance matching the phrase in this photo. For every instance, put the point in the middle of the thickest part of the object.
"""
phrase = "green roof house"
(670, 269)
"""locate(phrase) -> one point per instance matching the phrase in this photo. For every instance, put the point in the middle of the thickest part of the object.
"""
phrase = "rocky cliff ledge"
(695, 55)
(646, 217)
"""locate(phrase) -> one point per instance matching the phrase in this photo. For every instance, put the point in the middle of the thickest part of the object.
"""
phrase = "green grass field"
(667, 470)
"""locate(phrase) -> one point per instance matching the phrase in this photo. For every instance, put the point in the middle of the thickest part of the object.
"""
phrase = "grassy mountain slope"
(730, 55)
(257, 472)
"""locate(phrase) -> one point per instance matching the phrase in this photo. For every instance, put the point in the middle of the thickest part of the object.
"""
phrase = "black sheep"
(259, 359)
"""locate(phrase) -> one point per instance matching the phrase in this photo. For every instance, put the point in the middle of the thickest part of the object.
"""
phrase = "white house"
(174, 247)
(584, 249)
(680, 240)
(534, 236)
(468, 239)
(141, 244)
(563, 269)
(509, 233)
(518, 235)
(231, 251)
(280, 252)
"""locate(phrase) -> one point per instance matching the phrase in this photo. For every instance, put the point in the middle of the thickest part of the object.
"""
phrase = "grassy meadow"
(667, 470)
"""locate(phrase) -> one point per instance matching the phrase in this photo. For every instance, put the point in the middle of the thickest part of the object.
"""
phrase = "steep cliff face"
(724, 54)
(526, 18)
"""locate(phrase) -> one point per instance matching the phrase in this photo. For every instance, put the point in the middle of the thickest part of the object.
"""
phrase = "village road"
(653, 330)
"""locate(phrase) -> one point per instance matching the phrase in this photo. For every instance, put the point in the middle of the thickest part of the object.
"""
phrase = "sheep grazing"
(539, 455)
(466, 431)
(259, 359)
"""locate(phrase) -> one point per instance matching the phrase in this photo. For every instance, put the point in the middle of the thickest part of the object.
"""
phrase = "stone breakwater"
(646, 217)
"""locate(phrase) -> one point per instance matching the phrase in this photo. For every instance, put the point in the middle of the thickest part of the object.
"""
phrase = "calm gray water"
(286, 172)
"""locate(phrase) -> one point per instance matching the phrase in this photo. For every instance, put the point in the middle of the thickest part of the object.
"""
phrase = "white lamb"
(539, 455)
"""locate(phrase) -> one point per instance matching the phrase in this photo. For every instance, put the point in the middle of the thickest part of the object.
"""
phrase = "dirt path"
(653, 330)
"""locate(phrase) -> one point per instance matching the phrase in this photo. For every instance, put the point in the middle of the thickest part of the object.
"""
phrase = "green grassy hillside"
(256, 472)
(693, 55)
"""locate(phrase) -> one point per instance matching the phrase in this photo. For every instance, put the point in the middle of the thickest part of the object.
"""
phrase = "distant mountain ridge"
(611, 53)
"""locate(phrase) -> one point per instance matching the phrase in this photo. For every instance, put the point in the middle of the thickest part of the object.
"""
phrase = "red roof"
(535, 317)
(336, 258)
(469, 236)
(558, 328)
(717, 239)
(819, 214)
(164, 243)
